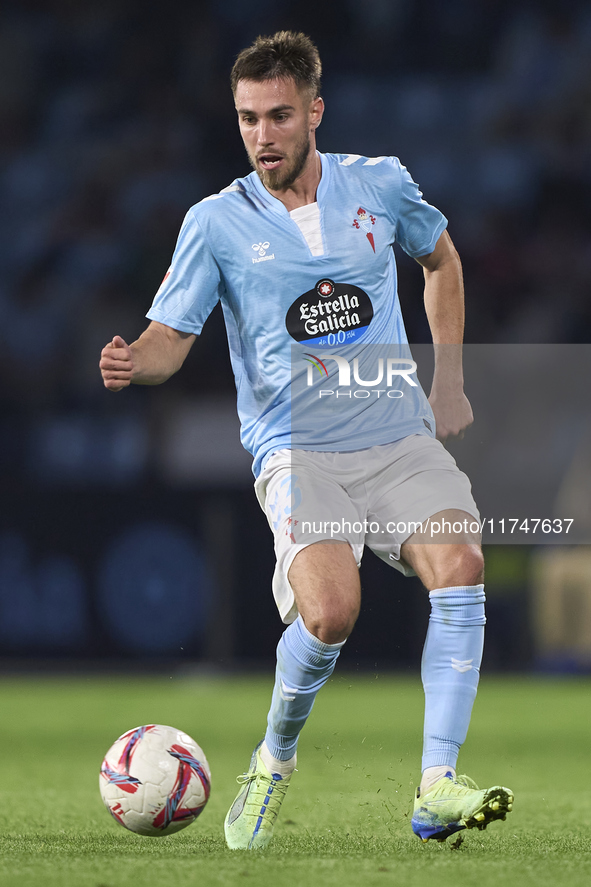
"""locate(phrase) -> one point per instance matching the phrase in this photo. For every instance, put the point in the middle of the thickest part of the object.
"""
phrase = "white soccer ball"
(155, 780)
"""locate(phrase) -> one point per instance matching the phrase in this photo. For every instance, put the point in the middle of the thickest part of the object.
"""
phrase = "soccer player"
(300, 255)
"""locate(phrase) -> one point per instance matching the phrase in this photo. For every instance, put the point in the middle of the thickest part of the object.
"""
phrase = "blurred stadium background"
(129, 533)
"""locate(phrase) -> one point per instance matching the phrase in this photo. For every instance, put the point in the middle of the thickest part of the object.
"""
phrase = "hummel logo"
(284, 690)
(461, 665)
(261, 249)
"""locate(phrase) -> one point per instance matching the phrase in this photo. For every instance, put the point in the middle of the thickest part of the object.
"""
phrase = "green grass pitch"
(346, 818)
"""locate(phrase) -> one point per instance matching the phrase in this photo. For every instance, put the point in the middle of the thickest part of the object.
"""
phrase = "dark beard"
(282, 179)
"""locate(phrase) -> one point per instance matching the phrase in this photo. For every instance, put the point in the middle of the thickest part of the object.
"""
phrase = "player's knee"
(464, 565)
(332, 622)
(331, 630)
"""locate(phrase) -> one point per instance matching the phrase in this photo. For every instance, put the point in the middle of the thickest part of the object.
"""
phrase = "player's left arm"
(444, 304)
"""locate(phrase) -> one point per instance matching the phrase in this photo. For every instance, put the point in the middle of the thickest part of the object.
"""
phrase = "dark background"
(128, 529)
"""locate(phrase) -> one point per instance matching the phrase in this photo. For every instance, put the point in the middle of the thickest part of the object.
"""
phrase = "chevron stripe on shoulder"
(350, 159)
(233, 187)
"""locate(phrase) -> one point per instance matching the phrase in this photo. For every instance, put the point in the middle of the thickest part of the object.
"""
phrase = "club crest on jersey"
(261, 248)
(364, 222)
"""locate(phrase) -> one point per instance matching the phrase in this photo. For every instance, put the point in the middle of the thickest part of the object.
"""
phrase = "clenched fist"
(116, 364)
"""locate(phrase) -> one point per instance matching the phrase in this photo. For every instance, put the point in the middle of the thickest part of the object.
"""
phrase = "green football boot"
(453, 804)
(251, 818)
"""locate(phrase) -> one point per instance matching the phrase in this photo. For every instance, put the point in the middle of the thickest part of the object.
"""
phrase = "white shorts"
(376, 497)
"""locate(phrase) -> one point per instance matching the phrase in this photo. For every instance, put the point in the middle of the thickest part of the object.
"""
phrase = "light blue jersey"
(294, 293)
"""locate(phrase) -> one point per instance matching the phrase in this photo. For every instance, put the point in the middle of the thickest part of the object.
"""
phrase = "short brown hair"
(285, 55)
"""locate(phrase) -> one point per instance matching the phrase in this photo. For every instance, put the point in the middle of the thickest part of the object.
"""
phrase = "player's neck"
(303, 190)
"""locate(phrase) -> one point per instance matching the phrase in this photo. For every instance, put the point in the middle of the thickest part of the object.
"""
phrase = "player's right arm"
(159, 352)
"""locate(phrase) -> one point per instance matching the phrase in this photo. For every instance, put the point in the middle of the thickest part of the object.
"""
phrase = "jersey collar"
(276, 205)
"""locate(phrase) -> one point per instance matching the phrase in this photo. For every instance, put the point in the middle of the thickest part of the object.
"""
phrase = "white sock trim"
(474, 588)
(273, 765)
(433, 774)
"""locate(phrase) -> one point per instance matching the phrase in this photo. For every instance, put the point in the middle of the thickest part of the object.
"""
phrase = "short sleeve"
(191, 288)
(419, 225)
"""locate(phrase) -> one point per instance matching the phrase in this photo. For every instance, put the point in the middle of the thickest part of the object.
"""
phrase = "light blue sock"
(304, 664)
(450, 670)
